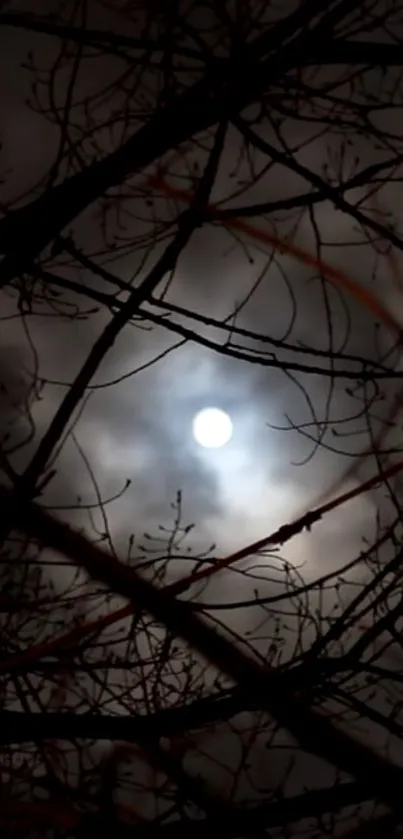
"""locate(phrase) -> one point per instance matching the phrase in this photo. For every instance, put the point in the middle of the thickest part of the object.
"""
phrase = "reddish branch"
(20, 661)
(312, 730)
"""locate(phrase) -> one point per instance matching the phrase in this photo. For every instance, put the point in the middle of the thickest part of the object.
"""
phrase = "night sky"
(135, 423)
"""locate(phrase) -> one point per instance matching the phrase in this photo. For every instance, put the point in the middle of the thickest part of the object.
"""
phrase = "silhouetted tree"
(273, 129)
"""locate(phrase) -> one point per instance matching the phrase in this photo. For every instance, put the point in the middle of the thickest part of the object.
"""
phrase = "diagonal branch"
(366, 369)
(187, 223)
(314, 732)
(333, 195)
(224, 90)
(308, 199)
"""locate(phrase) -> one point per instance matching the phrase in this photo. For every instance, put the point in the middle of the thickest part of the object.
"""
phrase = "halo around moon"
(212, 428)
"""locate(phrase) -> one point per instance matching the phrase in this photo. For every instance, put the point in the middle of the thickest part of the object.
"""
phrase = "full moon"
(212, 428)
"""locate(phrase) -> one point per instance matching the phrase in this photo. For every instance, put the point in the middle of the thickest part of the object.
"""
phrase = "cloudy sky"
(141, 427)
(136, 421)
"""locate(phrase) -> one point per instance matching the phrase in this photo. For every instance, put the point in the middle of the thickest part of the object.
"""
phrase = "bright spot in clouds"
(212, 428)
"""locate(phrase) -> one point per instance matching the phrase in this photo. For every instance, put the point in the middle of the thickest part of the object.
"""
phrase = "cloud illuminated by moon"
(212, 428)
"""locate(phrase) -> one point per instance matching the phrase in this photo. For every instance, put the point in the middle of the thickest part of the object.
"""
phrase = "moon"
(212, 428)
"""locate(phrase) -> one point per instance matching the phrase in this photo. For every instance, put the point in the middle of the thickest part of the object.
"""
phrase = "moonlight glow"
(212, 428)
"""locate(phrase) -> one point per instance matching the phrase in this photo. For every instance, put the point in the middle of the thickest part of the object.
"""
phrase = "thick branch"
(311, 729)
(223, 91)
